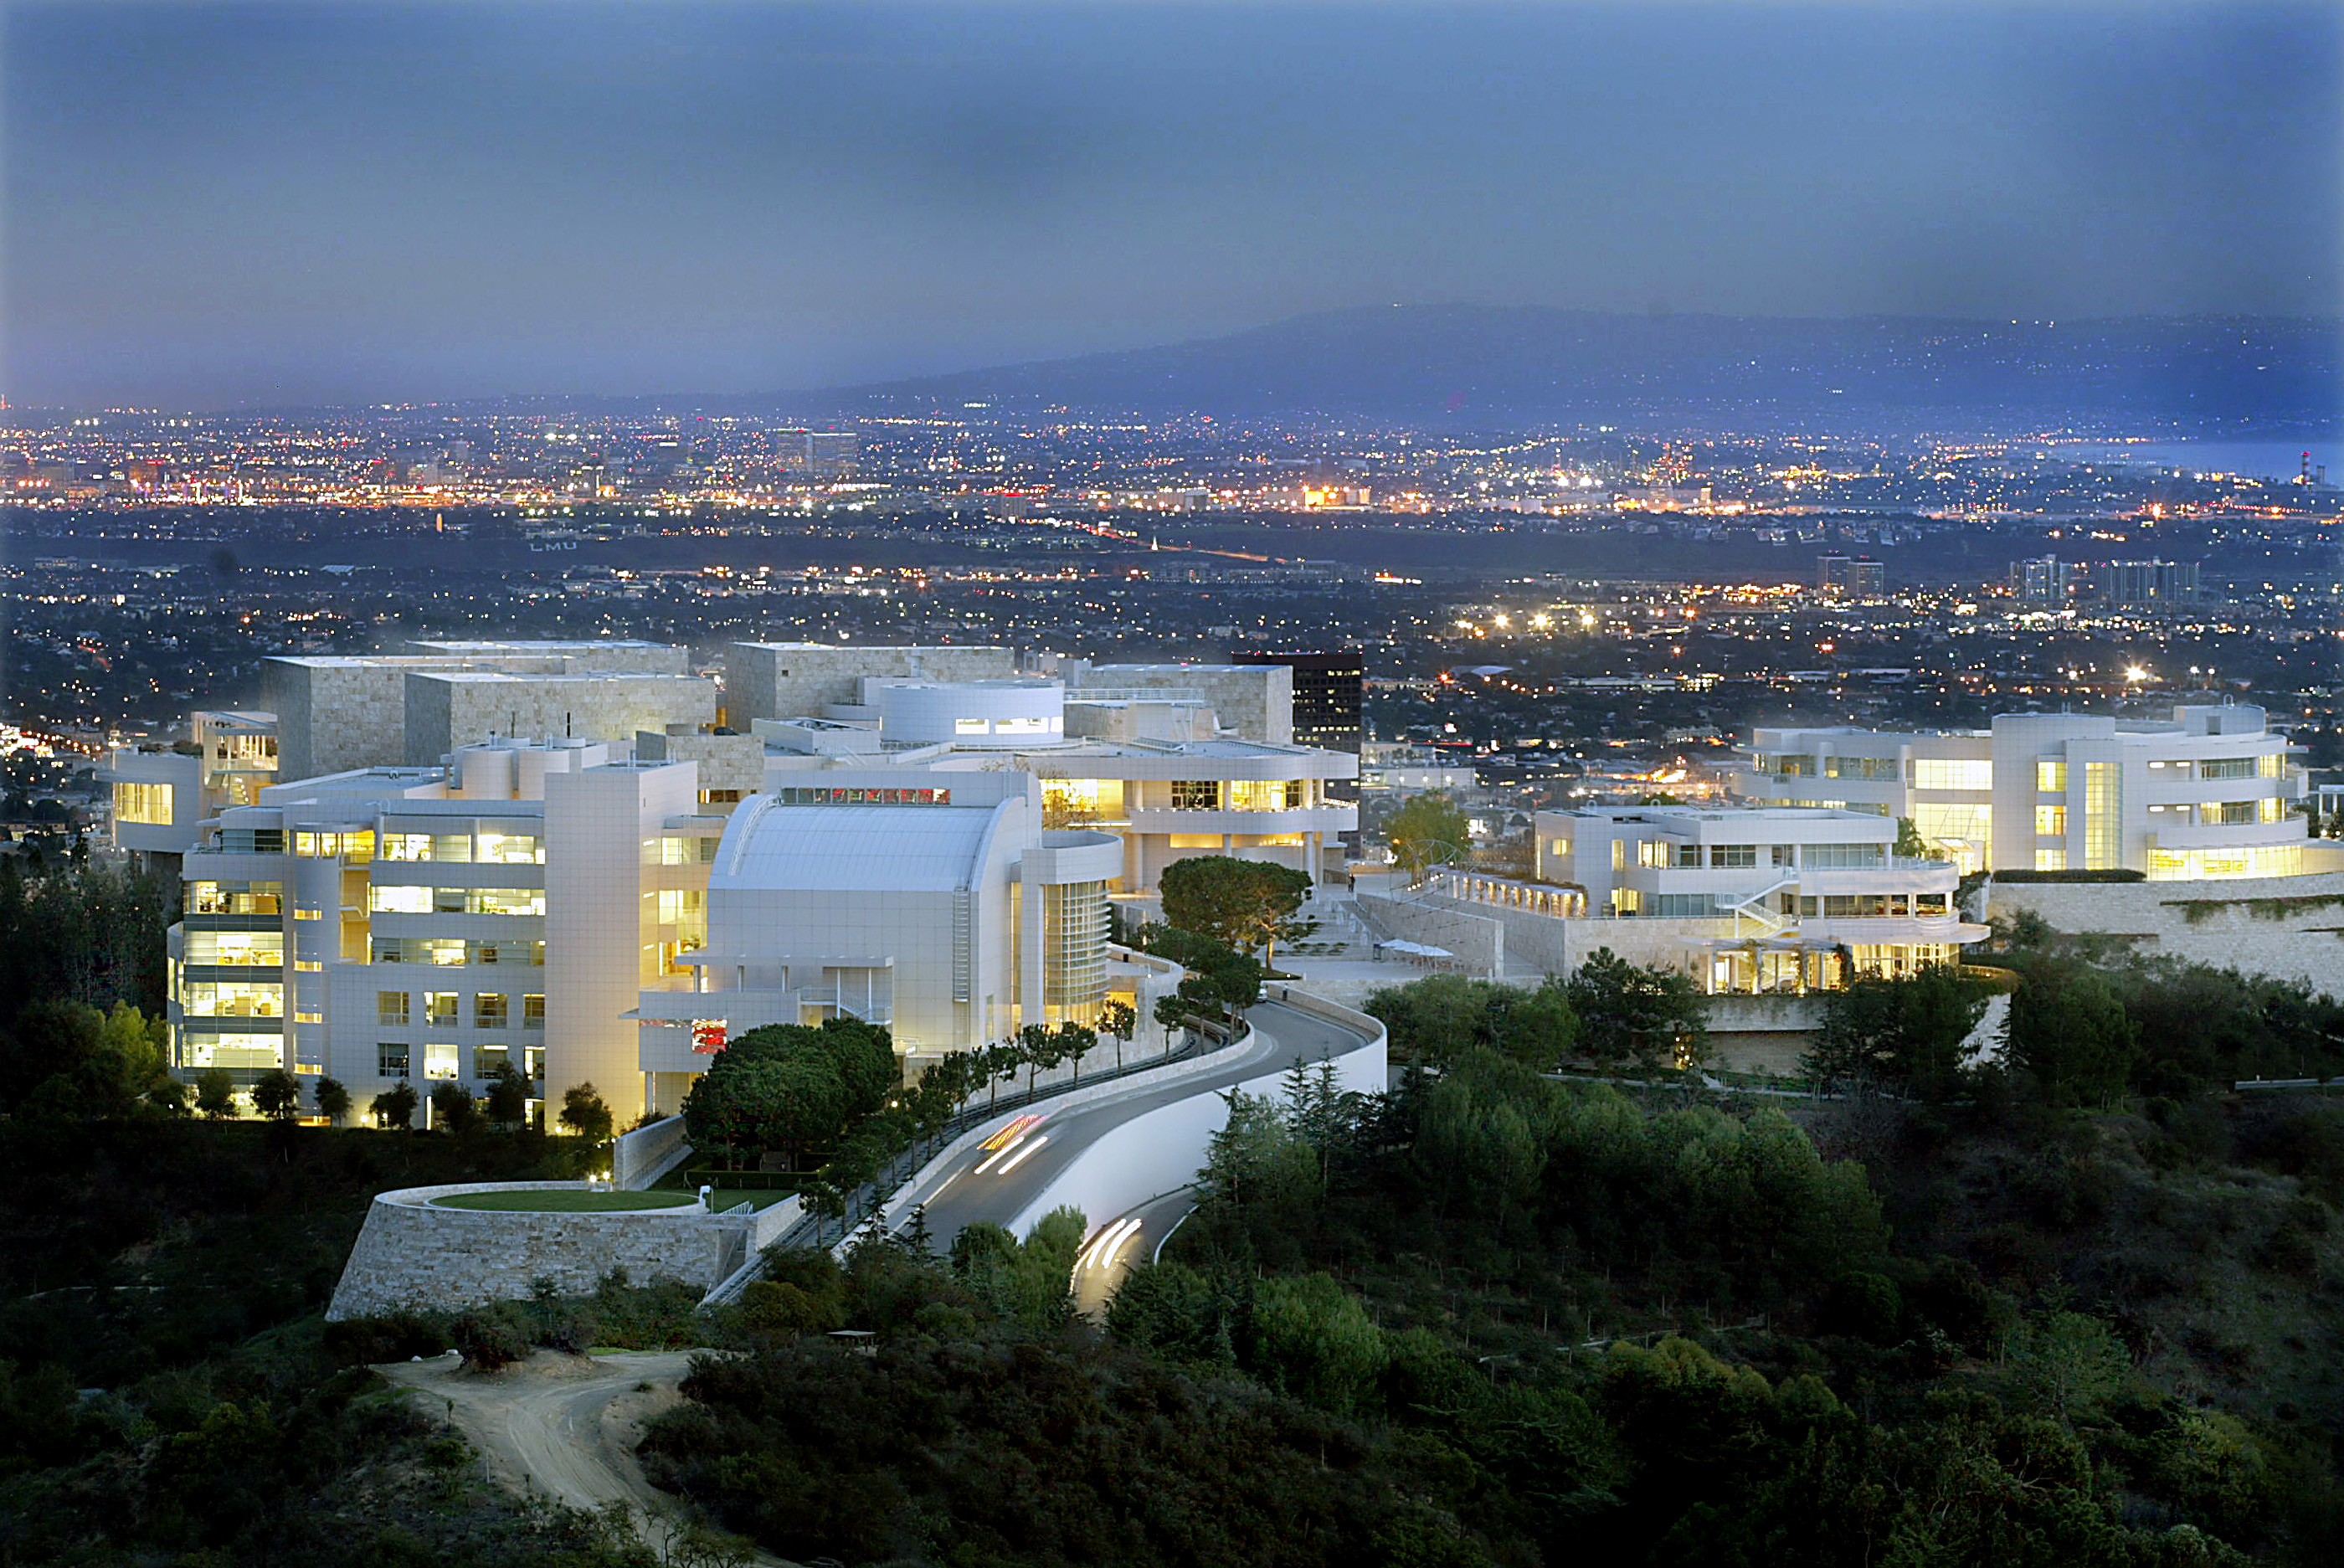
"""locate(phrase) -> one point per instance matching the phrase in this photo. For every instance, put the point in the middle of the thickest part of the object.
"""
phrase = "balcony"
(2172, 830)
(1887, 931)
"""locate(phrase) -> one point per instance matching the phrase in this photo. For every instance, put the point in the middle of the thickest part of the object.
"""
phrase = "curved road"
(567, 1426)
(1001, 1184)
(1121, 1244)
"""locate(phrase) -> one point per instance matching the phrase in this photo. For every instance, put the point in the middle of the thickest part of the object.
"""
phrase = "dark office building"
(1327, 693)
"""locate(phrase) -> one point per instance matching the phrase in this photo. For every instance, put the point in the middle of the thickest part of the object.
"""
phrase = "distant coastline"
(2252, 460)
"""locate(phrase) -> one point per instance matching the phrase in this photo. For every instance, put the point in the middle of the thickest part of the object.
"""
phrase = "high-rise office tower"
(1851, 577)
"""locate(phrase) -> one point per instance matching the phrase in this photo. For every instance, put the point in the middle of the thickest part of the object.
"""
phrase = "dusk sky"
(213, 205)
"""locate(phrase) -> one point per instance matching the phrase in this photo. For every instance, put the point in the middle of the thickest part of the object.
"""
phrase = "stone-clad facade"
(445, 709)
(340, 711)
(794, 680)
(413, 1253)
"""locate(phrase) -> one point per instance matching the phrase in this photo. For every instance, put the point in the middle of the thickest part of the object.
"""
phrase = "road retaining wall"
(1162, 1149)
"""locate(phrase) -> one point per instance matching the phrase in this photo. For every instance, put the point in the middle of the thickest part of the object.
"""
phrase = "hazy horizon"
(312, 205)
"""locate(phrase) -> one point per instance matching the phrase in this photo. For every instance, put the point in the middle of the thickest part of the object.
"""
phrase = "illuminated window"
(1257, 795)
(264, 948)
(2216, 864)
(143, 805)
(1074, 944)
(720, 797)
(1953, 772)
(439, 1010)
(2102, 817)
(675, 850)
(391, 1007)
(532, 1012)
(308, 966)
(489, 1060)
(2273, 764)
(232, 998)
(2050, 860)
(1196, 795)
(235, 897)
(502, 900)
(395, 900)
(2272, 809)
(2051, 778)
(2051, 821)
(301, 914)
(405, 846)
(489, 1010)
(514, 848)
(441, 1061)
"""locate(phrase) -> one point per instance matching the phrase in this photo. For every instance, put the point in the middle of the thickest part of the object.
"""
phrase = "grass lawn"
(573, 1201)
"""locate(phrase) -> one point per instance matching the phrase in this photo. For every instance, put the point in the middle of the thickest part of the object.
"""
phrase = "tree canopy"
(1436, 1020)
(1653, 1019)
(1906, 1032)
(1243, 904)
(1426, 829)
(795, 1090)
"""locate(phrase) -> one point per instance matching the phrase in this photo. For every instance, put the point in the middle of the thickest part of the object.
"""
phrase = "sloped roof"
(853, 848)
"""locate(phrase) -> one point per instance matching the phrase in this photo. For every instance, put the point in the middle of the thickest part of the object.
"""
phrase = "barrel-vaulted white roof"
(853, 848)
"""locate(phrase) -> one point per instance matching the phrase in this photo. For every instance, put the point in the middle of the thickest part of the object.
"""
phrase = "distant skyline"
(210, 205)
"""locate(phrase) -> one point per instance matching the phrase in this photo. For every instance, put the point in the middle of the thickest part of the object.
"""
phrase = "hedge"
(2106, 876)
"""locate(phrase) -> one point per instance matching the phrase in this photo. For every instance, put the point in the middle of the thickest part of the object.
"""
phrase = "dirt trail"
(565, 1426)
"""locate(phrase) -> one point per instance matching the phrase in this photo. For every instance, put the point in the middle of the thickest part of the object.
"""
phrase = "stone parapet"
(412, 1253)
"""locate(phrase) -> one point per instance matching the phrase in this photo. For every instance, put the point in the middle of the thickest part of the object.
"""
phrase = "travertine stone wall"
(727, 762)
(797, 680)
(611, 654)
(2291, 928)
(1254, 701)
(412, 1253)
(334, 715)
(447, 709)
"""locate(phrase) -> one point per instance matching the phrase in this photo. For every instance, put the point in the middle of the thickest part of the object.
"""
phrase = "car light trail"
(1017, 1159)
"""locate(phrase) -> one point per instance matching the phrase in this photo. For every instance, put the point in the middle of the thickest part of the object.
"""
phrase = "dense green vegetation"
(2078, 1306)
(2006, 1314)
(1610, 1014)
(167, 1390)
